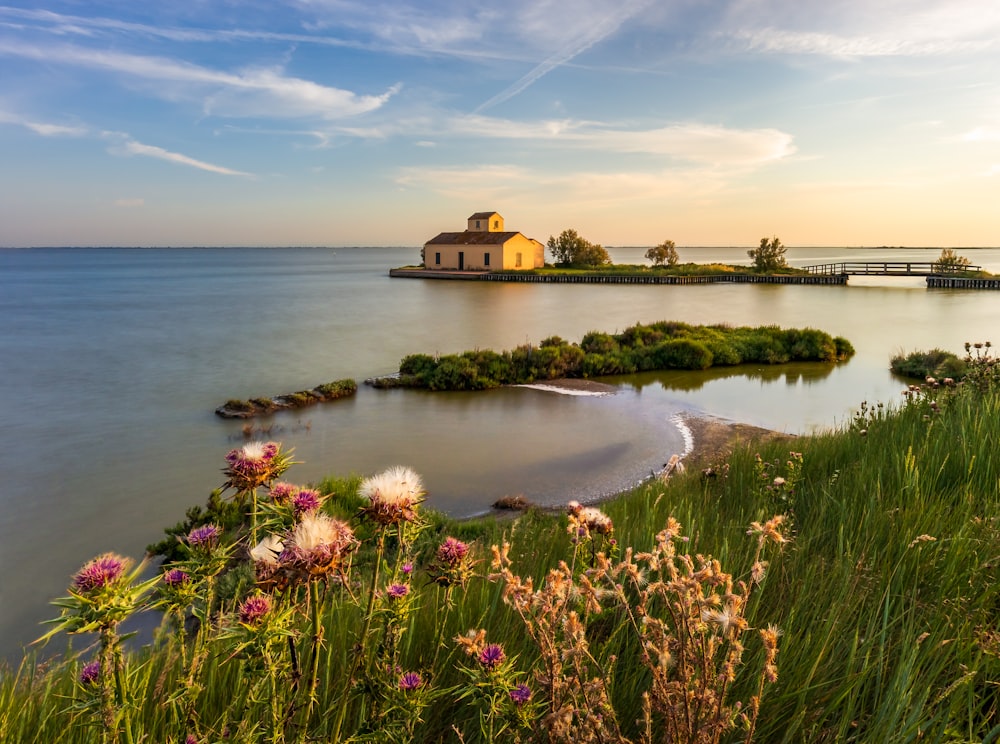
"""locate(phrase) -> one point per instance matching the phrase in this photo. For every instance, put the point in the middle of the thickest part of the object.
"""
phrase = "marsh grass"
(886, 596)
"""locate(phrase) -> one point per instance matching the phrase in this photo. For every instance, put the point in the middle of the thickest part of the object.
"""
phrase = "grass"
(886, 597)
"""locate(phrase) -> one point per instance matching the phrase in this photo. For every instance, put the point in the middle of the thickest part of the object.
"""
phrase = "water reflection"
(805, 373)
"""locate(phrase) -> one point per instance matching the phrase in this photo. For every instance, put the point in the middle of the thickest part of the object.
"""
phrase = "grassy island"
(845, 591)
(640, 348)
(236, 408)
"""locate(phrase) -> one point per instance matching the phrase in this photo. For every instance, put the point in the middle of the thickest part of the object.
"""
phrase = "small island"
(640, 348)
(242, 409)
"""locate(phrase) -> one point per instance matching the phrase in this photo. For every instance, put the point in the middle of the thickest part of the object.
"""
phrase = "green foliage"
(663, 254)
(570, 249)
(933, 363)
(769, 256)
(639, 348)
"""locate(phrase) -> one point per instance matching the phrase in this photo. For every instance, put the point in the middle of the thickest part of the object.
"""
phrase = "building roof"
(482, 215)
(472, 237)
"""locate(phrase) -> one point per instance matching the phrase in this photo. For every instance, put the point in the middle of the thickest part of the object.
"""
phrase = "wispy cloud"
(693, 142)
(595, 33)
(264, 92)
(126, 146)
(45, 129)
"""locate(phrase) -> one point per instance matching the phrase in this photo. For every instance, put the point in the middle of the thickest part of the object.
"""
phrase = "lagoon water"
(113, 361)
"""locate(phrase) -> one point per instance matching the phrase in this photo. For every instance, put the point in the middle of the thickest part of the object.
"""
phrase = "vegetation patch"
(641, 348)
(328, 391)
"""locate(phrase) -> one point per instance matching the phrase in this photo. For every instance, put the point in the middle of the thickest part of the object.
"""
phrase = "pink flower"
(410, 681)
(175, 578)
(253, 609)
(205, 537)
(90, 674)
(102, 571)
(392, 495)
(282, 493)
(452, 551)
(492, 656)
(397, 591)
(306, 500)
(317, 545)
(520, 694)
(254, 464)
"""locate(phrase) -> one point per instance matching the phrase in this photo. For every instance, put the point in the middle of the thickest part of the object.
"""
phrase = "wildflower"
(778, 482)
(594, 520)
(520, 695)
(90, 674)
(393, 495)
(472, 642)
(205, 537)
(102, 571)
(726, 619)
(769, 530)
(452, 551)
(175, 577)
(410, 681)
(254, 464)
(306, 500)
(397, 591)
(318, 544)
(253, 610)
(407, 569)
(492, 656)
(267, 550)
(282, 493)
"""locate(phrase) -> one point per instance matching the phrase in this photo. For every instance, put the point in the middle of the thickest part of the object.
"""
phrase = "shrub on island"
(640, 348)
(922, 364)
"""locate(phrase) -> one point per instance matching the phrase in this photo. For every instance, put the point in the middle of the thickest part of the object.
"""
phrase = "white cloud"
(127, 146)
(45, 129)
(982, 134)
(264, 92)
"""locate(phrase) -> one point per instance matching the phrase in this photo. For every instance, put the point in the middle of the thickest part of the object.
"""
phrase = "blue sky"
(343, 122)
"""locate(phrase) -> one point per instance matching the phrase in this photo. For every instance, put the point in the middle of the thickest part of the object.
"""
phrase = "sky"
(372, 122)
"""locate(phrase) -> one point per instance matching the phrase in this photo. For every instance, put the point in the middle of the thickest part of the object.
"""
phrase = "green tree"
(570, 249)
(769, 256)
(950, 261)
(664, 253)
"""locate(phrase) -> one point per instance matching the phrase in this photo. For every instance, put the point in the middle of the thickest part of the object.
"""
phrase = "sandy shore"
(713, 439)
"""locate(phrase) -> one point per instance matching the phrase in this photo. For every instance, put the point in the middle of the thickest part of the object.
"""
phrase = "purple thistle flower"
(190, 739)
(520, 694)
(100, 572)
(282, 493)
(90, 674)
(175, 578)
(206, 536)
(253, 609)
(410, 681)
(452, 551)
(306, 500)
(492, 656)
(407, 568)
(397, 591)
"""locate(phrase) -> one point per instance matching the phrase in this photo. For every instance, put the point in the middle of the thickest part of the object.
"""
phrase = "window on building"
(517, 260)
(486, 259)
(496, 224)
(477, 224)
(437, 258)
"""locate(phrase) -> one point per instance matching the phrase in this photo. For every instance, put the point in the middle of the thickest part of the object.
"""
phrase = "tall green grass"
(887, 599)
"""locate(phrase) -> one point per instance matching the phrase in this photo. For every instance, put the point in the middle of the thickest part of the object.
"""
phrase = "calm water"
(113, 361)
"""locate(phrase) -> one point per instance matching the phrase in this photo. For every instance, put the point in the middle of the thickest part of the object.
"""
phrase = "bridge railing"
(888, 268)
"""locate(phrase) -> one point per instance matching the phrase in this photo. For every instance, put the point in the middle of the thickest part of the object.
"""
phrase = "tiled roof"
(482, 215)
(471, 238)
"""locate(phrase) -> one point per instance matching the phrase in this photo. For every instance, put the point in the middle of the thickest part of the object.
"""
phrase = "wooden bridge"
(889, 268)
